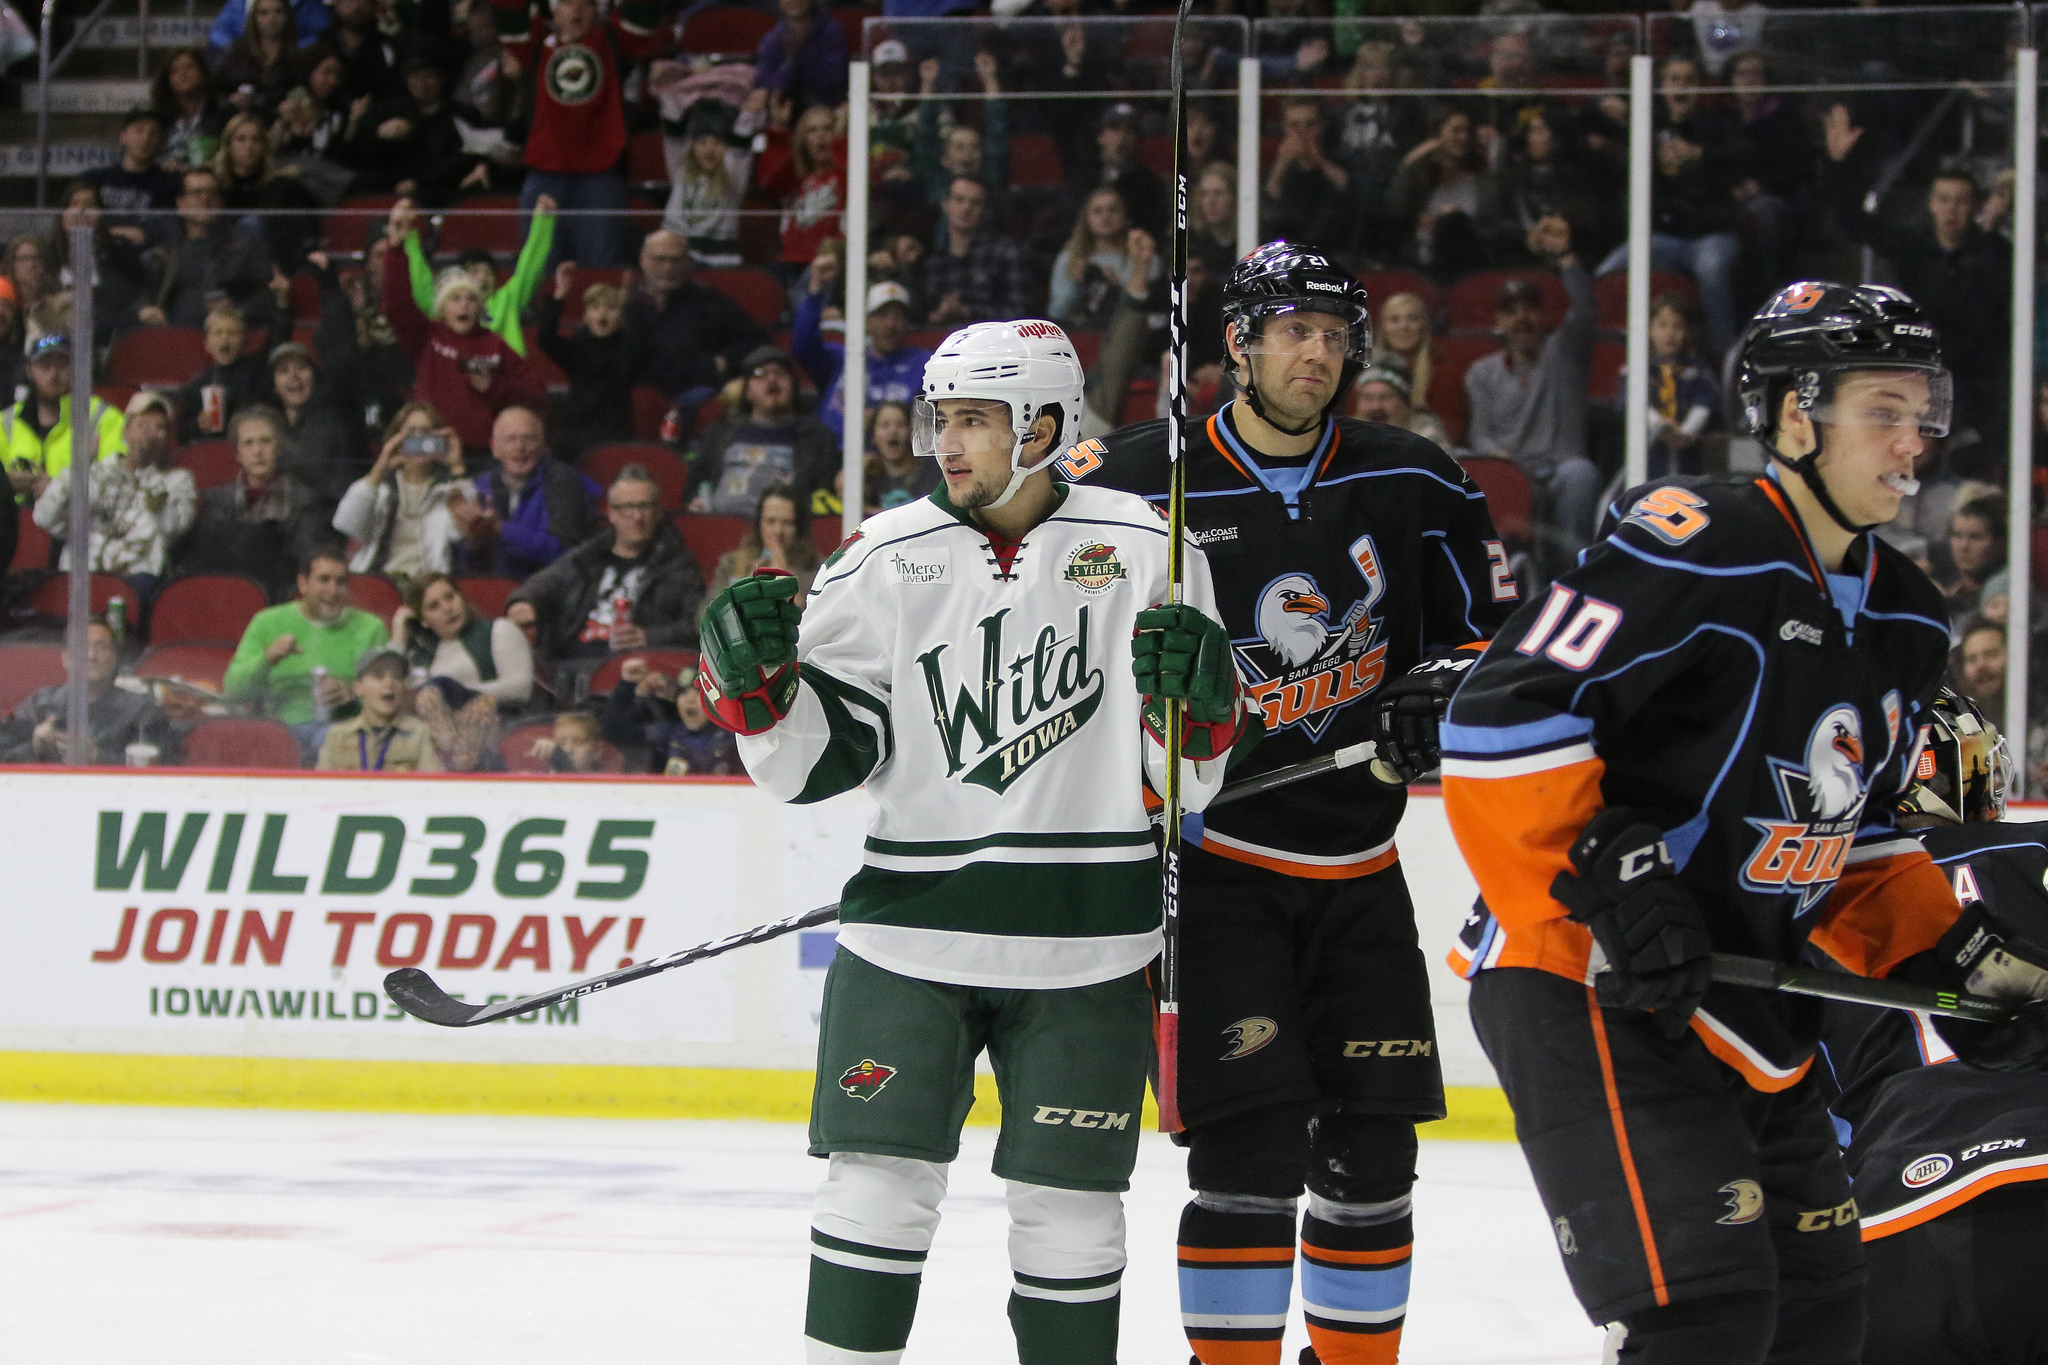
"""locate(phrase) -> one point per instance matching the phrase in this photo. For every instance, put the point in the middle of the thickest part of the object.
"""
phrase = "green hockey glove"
(1179, 654)
(747, 637)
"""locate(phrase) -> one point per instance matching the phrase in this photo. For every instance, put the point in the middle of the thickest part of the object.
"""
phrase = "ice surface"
(180, 1236)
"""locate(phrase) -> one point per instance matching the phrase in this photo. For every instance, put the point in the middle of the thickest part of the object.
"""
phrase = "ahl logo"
(1301, 668)
(1053, 692)
(865, 1080)
(1248, 1036)
(1804, 853)
(1801, 632)
(1094, 569)
(1926, 1171)
(1745, 1202)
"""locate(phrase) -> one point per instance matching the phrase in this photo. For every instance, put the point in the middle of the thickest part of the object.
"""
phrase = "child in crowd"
(805, 169)
(600, 359)
(466, 371)
(230, 382)
(1684, 395)
(380, 738)
(692, 746)
(711, 159)
(505, 304)
(577, 746)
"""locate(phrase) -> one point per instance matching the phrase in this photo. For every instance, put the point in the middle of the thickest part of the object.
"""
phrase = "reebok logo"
(1080, 1118)
(1324, 287)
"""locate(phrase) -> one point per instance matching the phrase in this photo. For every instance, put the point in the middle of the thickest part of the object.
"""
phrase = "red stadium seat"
(826, 533)
(851, 18)
(31, 546)
(305, 297)
(483, 221)
(751, 288)
(206, 665)
(710, 537)
(1087, 348)
(1381, 285)
(212, 608)
(487, 595)
(2039, 559)
(1470, 301)
(157, 357)
(212, 463)
(1156, 152)
(346, 228)
(1141, 401)
(603, 463)
(1604, 383)
(727, 29)
(26, 668)
(1509, 498)
(710, 412)
(1610, 292)
(115, 396)
(669, 661)
(650, 410)
(241, 742)
(760, 230)
(647, 158)
(374, 594)
(1035, 162)
(52, 596)
(1454, 356)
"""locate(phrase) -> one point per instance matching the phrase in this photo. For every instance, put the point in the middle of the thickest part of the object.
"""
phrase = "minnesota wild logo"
(1094, 568)
(1052, 692)
(864, 1080)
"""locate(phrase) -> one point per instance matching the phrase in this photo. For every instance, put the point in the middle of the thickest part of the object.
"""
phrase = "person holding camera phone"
(398, 512)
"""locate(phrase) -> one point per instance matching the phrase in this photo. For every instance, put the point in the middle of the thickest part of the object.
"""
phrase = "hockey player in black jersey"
(1357, 572)
(1693, 744)
(1949, 1160)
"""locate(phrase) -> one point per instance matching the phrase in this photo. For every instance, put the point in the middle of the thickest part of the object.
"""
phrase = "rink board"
(185, 938)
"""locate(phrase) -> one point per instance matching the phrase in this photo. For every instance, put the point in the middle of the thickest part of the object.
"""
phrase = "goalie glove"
(747, 637)
(1407, 711)
(1974, 956)
(1179, 654)
(1626, 890)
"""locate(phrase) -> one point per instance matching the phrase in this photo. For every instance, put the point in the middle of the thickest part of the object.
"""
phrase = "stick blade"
(413, 991)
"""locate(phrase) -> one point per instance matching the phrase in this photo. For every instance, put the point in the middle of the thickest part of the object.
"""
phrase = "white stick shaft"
(1636, 397)
(2019, 476)
(853, 382)
(1247, 155)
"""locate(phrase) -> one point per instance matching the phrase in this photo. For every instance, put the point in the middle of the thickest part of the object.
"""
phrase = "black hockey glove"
(1627, 892)
(1180, 654)
(747, 636)
(1974, 956)
(1406, 712)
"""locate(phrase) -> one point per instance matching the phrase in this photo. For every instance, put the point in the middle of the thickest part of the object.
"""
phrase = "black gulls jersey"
(1334, 573)
(1700, 668)
(1923, 1132)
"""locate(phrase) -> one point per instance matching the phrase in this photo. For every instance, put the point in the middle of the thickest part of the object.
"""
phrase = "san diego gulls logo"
(864, 1080)
(1025, 706)
(1306, 663)
(1804, 853)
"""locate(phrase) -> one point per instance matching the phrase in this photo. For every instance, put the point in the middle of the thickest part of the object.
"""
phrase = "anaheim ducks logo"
(1248, 1036)
(1805, 853)
(1745, 1202)
(1304, 667)
(1094, 569)
(865, 1080)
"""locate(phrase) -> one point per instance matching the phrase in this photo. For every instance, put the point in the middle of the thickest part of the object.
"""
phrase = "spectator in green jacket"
(277, 665)
(504, 305)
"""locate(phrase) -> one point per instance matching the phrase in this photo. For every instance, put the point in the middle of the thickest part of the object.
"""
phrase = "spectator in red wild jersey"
(805, 168)
(466, 370)
(574, 65)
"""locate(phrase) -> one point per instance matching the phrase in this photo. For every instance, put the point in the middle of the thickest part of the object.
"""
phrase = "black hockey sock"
(1728, 1329)
(1236, 1280)
(1819, 1331)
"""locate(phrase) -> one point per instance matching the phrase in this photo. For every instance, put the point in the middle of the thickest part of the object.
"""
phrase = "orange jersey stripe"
(1319, 872)
(1223, 1255)
(1955, 1198)
(1750, 1066)
(1777, 497)
(1628, 1161)
(1884, 911)
(1390, 1256)
(1516, 834)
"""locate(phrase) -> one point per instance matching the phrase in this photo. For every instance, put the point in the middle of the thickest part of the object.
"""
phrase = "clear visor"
(1301, 330)
(1904, 399)
(2000, 786)
(927, 424)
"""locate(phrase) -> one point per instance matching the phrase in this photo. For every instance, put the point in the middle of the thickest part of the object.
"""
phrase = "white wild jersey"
(994, 719)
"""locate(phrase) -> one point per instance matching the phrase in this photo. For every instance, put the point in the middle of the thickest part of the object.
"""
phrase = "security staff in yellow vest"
(35, 434)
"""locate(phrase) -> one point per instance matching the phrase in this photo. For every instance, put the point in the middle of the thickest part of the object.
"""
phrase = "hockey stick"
(1167, 1083)
(1765, 975)
(415, 992)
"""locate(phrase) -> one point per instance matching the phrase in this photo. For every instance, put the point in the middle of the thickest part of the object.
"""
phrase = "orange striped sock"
(1236, 1280)
(1354, 1289)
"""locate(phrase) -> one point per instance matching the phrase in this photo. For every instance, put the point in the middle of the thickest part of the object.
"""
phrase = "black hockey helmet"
(1285, 277)
(1963, 772)
(1810, 334)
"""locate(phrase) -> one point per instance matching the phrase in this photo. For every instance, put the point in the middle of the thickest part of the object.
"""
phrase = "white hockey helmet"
(1029, 364)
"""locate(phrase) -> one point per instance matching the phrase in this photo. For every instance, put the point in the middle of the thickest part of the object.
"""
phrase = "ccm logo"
(1996, 1145)
(1641, 862)
(1820, 1220)
(1080, 1118)
(1911, 329)
(1391, 1047)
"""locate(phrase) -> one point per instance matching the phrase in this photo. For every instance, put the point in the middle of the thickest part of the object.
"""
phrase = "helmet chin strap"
(1347, 373)
(1807, 469)
(1018, 473)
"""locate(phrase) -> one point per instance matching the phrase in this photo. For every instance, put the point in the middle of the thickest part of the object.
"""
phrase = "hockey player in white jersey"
(991, 663)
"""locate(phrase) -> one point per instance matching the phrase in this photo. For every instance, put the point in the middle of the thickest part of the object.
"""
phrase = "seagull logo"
(1303, 667)
(1805, 852)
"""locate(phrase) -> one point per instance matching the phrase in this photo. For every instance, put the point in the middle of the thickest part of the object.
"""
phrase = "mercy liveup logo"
(1024, 708)
(864, 1080)
(1094, 569)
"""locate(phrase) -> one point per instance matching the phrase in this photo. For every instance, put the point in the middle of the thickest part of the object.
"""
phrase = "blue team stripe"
(1443, 543)
(1906, 616)
(2034, 844)
(1469, 494)
(1732, 571)
(1237, 1293)
(1476, 740)
(1355, 1290)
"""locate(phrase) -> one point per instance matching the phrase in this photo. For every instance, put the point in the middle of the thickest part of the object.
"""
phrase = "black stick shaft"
(1732, 970)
